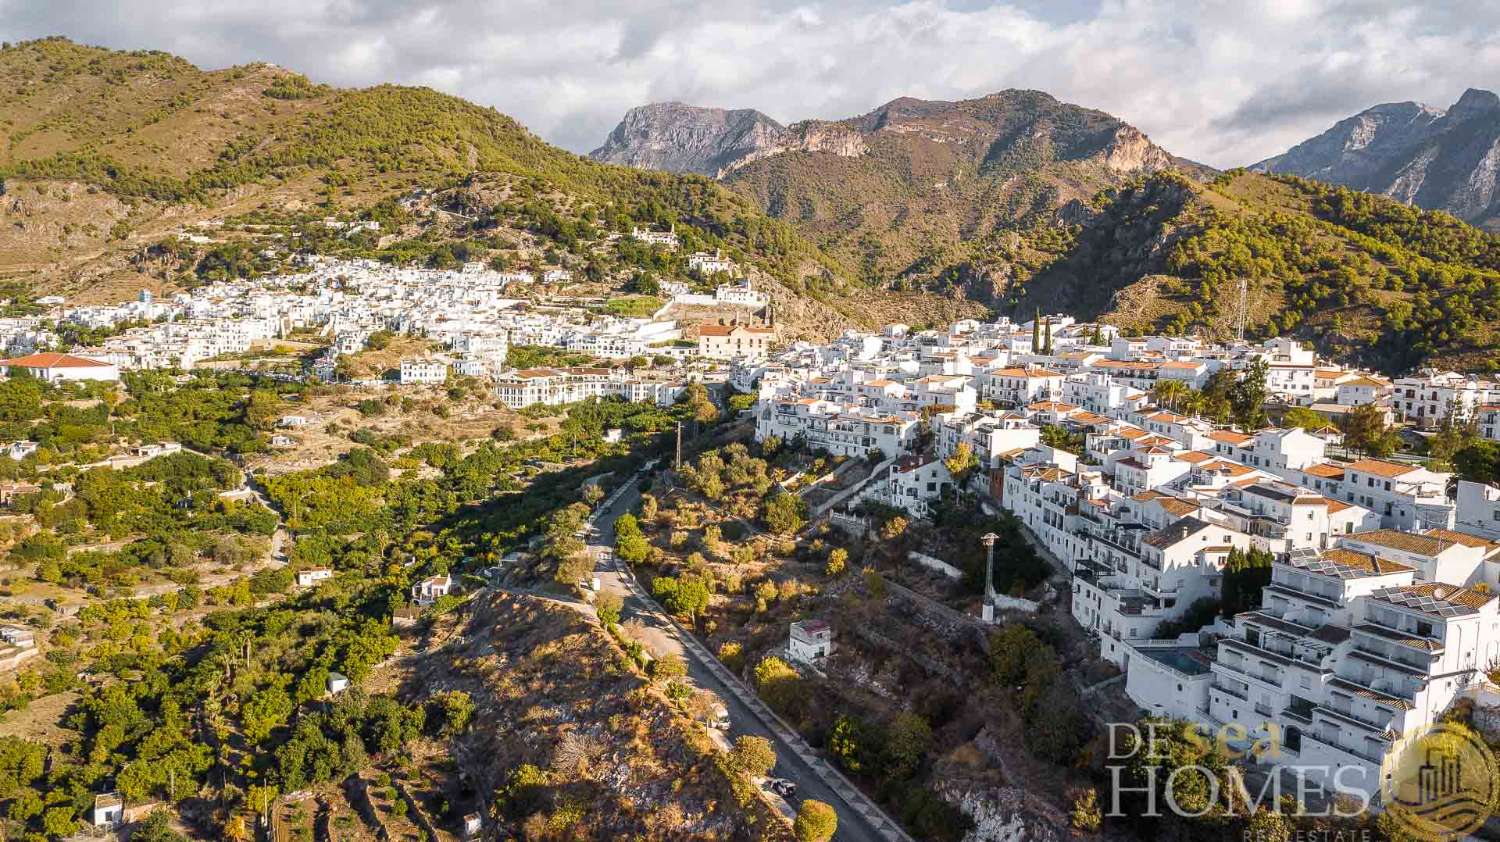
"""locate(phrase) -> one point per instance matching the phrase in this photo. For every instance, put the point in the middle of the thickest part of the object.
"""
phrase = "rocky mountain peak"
(1436, 159)
(1474, 103)
(676, 137)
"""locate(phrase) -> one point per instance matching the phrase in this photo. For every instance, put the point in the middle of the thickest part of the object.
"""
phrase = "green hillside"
(166, 144)
(1364, 277)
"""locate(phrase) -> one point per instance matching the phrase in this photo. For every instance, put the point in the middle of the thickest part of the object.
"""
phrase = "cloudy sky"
(1225, 83)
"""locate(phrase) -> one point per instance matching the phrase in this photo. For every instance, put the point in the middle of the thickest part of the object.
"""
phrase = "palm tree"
(1169, 393)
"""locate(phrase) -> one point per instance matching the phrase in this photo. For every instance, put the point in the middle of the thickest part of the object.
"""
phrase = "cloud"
(1223, 82)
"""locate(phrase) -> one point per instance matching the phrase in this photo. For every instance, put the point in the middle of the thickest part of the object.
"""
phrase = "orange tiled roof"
(1381, 469)
(52, 359)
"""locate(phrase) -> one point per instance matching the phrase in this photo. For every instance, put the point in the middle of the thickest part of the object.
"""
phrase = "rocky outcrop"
(712, 141)
(685, 138)
(1430, 157)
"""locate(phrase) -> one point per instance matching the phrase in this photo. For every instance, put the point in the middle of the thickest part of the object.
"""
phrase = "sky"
(1224, 83)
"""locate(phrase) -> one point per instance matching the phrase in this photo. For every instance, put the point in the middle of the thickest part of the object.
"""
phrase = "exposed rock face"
(713, 141)
(685, 138)
(1430, 157)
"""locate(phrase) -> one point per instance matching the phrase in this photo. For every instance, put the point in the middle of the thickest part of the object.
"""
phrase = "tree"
(1268, 826)
(158, 828)
(778, 683)
(686, 596)
(267, 710)
(1170, 393)
(838, 559)
(1247, 398)
(1246, 572)
(815, 822)
(1301, 416)
(753, 755)
(1054, 435)
(262, 409)
(698, 401)
(1479, 462)
(1011, 648)
(1445, 444)
(785, 513)
(1365, 431)
(59, 822)
(892, 528)
(907, 740)
(961, 463)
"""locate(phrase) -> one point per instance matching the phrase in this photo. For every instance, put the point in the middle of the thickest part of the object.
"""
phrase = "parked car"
(782, 787)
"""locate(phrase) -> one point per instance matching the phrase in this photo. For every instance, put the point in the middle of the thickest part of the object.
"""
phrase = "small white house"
(811, 641)
(280, 441)
(312, 575)
(337, 683)
(473, 824)
(429, 590)
(19, 450)
(108, 809)
(18, 636)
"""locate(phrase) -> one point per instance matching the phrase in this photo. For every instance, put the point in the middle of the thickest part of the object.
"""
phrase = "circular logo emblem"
(1439, 782)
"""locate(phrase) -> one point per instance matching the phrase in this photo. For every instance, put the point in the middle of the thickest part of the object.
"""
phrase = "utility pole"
(677, 465)
(988, 610)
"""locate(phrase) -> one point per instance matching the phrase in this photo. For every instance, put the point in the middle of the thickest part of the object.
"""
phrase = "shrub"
(815, 822)
(753, 755)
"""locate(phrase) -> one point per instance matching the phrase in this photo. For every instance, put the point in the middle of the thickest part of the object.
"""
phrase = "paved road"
(860, 820)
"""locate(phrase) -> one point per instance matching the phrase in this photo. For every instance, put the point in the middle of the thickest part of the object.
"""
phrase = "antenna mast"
(1244, 309)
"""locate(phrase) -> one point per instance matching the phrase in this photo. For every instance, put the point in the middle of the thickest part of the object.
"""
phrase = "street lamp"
(989, 539)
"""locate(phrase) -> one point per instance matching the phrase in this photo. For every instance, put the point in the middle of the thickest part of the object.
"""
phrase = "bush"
(608, 607)
(778, 683)
(753, 756)
(1086, 815)
(816, 822)
(838, 560)
(668, 667)
(785, 513)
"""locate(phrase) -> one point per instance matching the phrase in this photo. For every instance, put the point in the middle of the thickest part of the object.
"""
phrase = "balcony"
(1300, 709)
(1290, 592)
(1331, 742)
(1240, 668)
(1230, 691)
(1380, 659)
(1409, 639)
(1349, 717)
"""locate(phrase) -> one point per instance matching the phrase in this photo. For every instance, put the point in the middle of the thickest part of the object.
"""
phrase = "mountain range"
(1442, 159)
(127, 169)
(912, 188)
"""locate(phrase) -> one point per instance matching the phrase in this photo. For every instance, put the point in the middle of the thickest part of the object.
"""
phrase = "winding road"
(860, 819)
